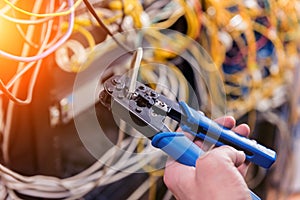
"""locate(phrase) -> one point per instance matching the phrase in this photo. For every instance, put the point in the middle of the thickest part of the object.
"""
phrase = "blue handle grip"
(178, 146)
(219, 136)
(183, 150)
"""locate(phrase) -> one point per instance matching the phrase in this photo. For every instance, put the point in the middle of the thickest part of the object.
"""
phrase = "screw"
(142, 87)
(121, 96)
(110, 90)
(153, 94)
(162, 104)
(135, 94)
(139, 109)
(116, 81)
(120, 86)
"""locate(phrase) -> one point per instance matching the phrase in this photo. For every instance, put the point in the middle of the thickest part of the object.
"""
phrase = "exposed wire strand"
(51, 49)
(70, 10)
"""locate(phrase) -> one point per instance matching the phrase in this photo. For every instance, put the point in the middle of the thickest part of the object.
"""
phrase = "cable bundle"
(253, 44)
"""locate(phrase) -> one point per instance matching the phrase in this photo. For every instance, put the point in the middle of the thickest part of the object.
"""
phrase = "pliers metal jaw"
(145, 110)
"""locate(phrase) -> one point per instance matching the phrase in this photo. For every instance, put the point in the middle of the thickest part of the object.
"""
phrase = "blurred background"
(238, 58)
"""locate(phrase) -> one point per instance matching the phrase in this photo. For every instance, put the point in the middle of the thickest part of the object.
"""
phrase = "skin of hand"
(218, 175)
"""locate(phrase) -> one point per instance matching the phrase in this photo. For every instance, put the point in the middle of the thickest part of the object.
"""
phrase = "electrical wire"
(102, 25)
(1, 115)
(5, 89)
(43, 186)
(31, 21)
(6, 8)
(135, 66)
(51, 49)
(6, 132)
(75, 62)
(217, 27)
(31, 43)
(70, 10)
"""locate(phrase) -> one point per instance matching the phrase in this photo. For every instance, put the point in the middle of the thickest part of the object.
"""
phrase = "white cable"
(6, 8)
(3, 191)
(82, 183)
(142, 189)
(25, 51)
(168, 195)
(8, 121)
(1, 115)
(43, 186)
(162, 83)
(31, 21)
(136, 63)
(67, 63)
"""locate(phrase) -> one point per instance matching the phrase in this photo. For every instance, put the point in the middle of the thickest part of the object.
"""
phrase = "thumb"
(176, 174)
(235, 156)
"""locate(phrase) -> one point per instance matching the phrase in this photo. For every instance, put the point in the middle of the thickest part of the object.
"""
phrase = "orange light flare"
(11, 41)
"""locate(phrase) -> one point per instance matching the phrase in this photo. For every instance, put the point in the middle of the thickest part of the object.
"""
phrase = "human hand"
(219, 173)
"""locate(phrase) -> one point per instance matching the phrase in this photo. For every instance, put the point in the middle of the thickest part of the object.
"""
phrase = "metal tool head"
(144, 109)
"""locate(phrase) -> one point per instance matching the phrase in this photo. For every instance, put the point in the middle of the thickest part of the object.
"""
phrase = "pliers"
(146, 111)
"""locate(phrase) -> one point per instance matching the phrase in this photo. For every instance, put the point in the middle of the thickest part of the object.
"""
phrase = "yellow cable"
(67, 12)
(193, 25)
(250, 38)
(273, 37)
(172, 19)
(217, 52)
(132, 8)
(78, 67)
(84, 32)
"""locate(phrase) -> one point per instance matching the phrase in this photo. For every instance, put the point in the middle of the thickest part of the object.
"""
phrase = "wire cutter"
(146, 111)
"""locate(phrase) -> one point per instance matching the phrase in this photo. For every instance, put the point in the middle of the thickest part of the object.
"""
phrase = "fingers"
(242, 129)
(237, 157)
(230, 123)
(221, 156)
(243, 169)
(227, 121)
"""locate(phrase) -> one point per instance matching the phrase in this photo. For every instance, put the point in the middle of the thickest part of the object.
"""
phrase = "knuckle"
(226, 147)
(216, 157)
(208, 161)
(169, 180)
